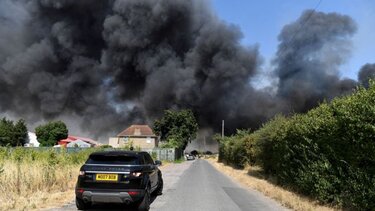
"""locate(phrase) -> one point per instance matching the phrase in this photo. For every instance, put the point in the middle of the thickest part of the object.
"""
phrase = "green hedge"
(49, 156)
(232, 150)
(327, 153)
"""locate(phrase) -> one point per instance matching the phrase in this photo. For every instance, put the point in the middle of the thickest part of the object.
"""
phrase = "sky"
(262, 21)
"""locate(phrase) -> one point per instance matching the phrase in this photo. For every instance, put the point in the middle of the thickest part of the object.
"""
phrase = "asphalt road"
(198, 186)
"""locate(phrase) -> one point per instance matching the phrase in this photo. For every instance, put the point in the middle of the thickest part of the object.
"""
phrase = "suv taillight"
(135, 174)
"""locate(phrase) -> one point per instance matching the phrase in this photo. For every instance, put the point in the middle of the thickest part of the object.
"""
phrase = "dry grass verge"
(251, 178)
(38, 184)
(26, 186)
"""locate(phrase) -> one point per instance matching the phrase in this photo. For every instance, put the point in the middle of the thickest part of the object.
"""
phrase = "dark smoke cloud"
(108, 64)
(176, 54)
(366, 73)
(310, 53)
(56, 73)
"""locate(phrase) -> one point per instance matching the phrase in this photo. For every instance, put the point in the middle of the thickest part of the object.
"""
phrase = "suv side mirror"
(158, 162)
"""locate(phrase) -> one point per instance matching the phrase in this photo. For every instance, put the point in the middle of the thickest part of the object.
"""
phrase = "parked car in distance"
(190, 157)
(126, 177)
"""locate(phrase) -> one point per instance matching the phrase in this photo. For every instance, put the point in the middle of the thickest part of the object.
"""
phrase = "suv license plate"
(106, 177)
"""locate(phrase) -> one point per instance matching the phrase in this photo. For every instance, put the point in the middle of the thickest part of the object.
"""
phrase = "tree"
(20, 133)
(12, 134)
(50, 133)
(176, 128)
(6, 132)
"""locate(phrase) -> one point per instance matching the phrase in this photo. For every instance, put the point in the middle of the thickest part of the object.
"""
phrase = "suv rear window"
(113, 159)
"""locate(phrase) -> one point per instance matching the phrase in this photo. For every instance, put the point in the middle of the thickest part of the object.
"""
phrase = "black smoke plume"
(103, 65)
(309, 56)
(366, 73)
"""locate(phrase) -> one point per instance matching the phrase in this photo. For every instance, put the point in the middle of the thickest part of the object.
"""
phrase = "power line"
(302, 25)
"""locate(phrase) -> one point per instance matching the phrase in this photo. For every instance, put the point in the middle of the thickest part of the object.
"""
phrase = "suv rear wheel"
(81, 205)
(145, 204)
(159, 190)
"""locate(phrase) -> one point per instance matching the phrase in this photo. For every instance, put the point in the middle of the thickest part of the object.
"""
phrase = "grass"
(181, 160)
(25, 186)
(31, 179)
(253, 178)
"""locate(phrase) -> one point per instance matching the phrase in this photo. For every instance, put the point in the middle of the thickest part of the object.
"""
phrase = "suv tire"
(81, 205)
(159, 190)
(145, 204)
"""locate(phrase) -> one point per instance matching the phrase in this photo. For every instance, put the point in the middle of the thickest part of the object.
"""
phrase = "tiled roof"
(137, 130)
(74, 138)
(87, 140)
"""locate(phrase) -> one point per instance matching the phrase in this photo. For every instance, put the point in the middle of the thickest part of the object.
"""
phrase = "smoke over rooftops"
(110, 64)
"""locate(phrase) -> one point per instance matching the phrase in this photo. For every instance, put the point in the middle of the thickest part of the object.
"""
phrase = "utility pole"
(222, 129)
(204, 141)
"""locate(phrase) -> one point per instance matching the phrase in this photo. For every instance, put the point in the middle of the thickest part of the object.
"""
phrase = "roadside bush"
(232, 149)
(327, 153)
(264, 142)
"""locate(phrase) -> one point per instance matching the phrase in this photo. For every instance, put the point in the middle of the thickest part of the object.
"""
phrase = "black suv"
(118, 177)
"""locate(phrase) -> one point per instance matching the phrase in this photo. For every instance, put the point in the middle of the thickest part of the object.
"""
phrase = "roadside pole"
(204, 142)
(222, 129)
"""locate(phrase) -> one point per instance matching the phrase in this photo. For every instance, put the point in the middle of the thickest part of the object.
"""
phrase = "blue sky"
(261, 21)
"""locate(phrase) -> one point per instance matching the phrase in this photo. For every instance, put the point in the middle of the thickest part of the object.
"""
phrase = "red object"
(80, 190)
(133, 193)
(66, 141)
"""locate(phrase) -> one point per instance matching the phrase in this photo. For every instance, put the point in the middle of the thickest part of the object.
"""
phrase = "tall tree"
(176, 128)
(20, 133)
(12, 134)
(50, 133)
(6, 132)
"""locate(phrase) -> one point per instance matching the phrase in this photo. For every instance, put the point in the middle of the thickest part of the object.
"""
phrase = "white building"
(31, 141)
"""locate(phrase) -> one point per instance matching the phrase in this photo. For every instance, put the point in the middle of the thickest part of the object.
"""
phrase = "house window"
(126, 139)
(148, 140)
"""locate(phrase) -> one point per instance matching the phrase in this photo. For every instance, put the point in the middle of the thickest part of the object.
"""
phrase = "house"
(137, 136)
(70, 139)
(79, 143)
(31, 140)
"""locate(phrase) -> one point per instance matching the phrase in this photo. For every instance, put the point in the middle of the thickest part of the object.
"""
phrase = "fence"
(169, 154)
(165, 153)
(56, 149)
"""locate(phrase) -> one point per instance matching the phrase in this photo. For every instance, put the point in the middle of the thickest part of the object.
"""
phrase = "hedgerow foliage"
(47, 156)
(232, 149)
(327, 153)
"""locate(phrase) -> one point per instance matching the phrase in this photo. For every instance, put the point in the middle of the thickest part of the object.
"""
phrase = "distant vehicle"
(208, 153)
(118, 177)
(195, 153)
(190, 157)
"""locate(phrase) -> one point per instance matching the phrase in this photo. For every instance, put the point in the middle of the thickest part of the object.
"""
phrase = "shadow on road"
(108, 206)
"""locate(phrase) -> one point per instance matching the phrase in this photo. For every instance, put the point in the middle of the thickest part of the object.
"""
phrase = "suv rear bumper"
(110, 196)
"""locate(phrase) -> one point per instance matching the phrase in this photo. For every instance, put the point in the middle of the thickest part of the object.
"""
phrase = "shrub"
(232, 149)
(327, 153)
